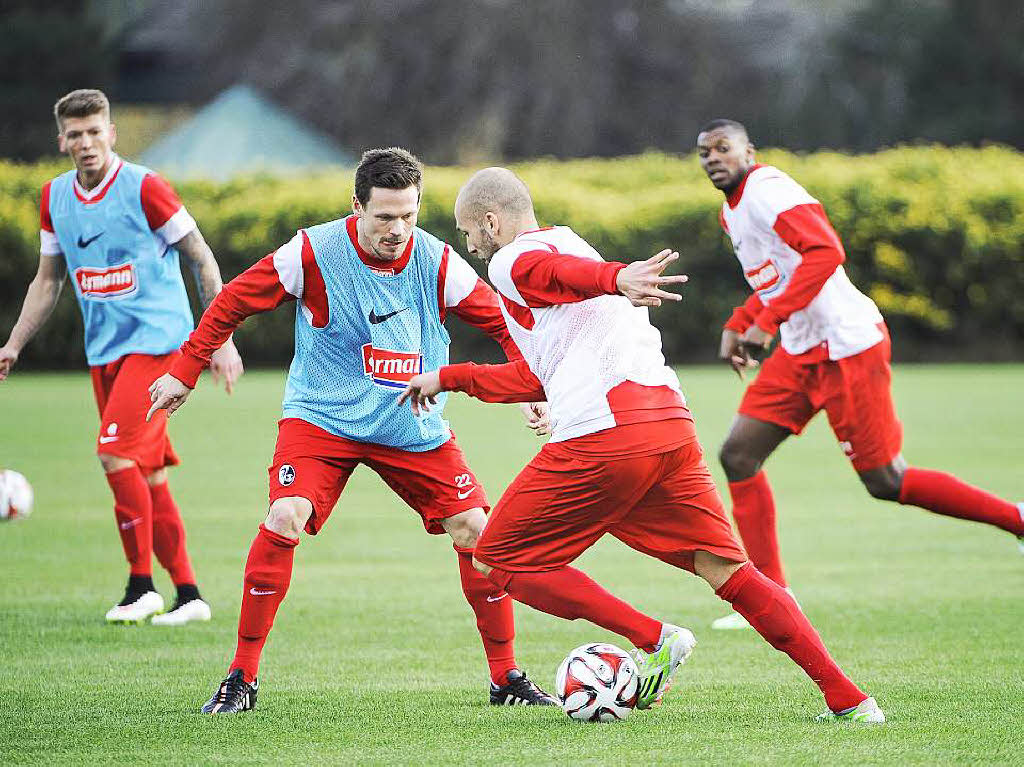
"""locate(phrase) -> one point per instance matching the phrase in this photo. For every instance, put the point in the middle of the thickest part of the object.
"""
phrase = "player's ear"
(62, 143)
(492, 223)
(357, 207)
(113, 134)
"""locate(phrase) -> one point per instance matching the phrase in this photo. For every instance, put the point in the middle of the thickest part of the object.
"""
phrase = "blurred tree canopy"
(47, 50)
(469, 80)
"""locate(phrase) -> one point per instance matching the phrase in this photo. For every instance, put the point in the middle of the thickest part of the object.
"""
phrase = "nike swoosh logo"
(496, 599)
(105, 440)
(130, 523)
(376, 319)
(83, 243)
(261, 593)
(464, 495)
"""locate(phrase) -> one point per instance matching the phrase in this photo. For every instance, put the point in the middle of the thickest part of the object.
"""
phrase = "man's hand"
(640, 281)
(756, 339)
(422, 392)
(226, 363)
(732, 351)
(167, 393)
(537, 417)
(8, 356)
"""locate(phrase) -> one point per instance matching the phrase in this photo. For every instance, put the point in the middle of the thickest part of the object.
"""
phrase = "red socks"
(570, 593)
(169, 535)
(133, 511)
(493, 609)
(753, 509)
(268, 571)
(775, 616)
(945, 494)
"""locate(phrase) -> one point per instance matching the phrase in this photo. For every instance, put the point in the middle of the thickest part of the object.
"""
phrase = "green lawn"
(375, 658)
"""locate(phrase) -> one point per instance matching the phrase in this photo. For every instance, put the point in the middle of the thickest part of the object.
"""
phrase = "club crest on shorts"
(286, 475)
(390, 368)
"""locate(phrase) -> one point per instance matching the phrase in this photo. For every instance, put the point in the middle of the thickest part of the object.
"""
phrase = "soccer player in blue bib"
(372, 293)
(118, 229)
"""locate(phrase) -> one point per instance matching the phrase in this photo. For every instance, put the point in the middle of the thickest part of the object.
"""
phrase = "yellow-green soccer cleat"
(657, 669)
(867, 712)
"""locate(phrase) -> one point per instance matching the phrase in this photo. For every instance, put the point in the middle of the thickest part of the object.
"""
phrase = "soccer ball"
(597, 683)
(15, 495)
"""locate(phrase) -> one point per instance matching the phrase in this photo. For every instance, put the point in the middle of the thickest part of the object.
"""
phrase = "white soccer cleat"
(193, 610)
(867, 712)
(734, 620)
(148, 604)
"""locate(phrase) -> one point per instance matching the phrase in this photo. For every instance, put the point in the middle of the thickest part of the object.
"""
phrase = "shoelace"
(230, 688)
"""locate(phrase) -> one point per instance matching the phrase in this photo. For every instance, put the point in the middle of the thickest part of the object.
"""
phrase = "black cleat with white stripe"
(233, 696)
(520, 691)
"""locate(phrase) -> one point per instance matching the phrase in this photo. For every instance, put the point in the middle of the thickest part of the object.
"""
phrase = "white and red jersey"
(586, 349)
(792, 258)
(291, 273)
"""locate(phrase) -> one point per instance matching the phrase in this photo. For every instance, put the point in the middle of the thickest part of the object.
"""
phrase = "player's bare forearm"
(40, 300)
(203, 265)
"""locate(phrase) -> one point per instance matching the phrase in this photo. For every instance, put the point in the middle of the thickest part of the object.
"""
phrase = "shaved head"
(493, 208)
(494, 190)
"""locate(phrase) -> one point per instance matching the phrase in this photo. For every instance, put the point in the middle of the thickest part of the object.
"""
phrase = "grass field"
(375, 658)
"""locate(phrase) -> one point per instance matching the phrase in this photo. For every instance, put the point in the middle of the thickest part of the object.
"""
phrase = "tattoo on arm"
(202, 264)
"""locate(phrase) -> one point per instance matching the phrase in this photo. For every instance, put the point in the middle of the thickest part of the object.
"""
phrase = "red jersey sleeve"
(545, 278)
(464, 294)
(45, 222)
(511, 382)
(807, 230)
(743, 316)
(159, 200)
(257, 289)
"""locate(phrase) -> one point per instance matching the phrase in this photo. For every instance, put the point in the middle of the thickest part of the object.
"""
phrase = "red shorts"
(122, 395)
(314, 464)
(855, 393)
(664, 505)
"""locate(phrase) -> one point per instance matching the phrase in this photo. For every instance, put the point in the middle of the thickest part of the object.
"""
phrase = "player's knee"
(883, 484)
(465, 527)
(288, 516)
(112, 463)
(737, 461)
(481, 566)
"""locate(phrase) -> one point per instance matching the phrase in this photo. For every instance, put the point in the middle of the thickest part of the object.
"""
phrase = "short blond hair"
(81, 103)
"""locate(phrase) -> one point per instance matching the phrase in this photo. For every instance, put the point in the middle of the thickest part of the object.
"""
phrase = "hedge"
(933, 234)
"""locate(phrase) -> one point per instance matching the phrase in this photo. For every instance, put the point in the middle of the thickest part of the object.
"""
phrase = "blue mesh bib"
(382, 330)
(127, 280)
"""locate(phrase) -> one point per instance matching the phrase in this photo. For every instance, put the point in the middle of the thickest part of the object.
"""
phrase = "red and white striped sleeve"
(472, 300)
(545, 277)
(165, 213)
(287, 274)
(49, 245)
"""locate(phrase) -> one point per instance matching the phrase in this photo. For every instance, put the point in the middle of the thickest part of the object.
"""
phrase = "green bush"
(934, 235)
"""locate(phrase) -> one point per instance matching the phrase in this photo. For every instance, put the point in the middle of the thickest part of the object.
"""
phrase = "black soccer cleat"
(233, 696)
(520, 691)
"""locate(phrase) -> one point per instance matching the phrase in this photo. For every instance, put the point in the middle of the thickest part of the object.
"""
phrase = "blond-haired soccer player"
(118, 229)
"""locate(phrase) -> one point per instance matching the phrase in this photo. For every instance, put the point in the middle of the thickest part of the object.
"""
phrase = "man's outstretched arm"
(510, 382)
(270, 282)
(40, 300)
